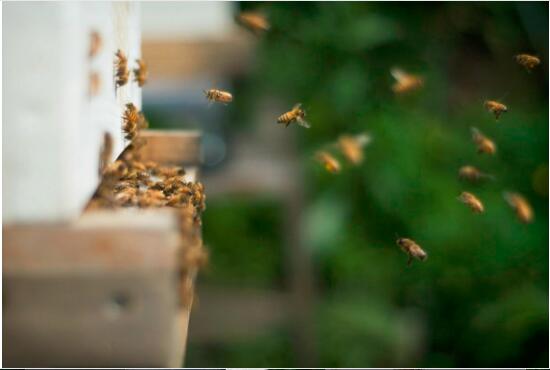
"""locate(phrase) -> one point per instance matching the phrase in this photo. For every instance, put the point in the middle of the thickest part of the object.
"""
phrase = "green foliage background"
(481, 299)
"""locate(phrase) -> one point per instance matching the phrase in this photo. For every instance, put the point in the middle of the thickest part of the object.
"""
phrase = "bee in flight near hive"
(495, 107)
(95, 43)
(412, 249)
(330, 163)
(140, 73)
(470, 173)
(523, 209)
(214, 95)
(352, 147)
(471, 201)
(405, 82)
(297, 114)
(527, 61)
(255, 22)
(484, 144)
(122, 73)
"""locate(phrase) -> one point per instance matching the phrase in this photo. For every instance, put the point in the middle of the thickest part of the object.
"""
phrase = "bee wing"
(363, 139)
(475, 132)
(303, 122)
(398, 73)
(509, 198)
(296, 106)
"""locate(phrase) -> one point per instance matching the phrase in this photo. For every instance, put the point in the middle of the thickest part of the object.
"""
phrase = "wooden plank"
(172, 147)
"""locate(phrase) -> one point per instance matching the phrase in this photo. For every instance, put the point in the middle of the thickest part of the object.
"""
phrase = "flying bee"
(330, 163)
(255, 22)
(495, 107)
(527, 61)
(405, 82)
(471, 201)
(122, 73)
(94, 84)
(95, 43)
(412, 249)
(524, 211)
(297, 114)
(214, 95)
(131, 120)
(470, 173)
(141, 73)
(484, 144)
(352, 147)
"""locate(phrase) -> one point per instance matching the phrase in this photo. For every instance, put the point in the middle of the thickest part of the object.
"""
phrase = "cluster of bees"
(351, 147)
(131, 181)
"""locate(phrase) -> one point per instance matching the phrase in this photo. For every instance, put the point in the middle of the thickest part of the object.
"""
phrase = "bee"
(94, 84)
(131, 120)
(214, 95)
(330, 163)
(168, 172)
(297, 114)
(471, 201)
(254, 21)
(152, 198)
(121, 69)
(117, 169)
(141, 73)
(95, 43)
(523, 209)
(527, 61)
(352, 147)
(105, 152)
(127, 196)
(143, 123)
(405, 82)
(484, 144)
(472, 174)
(412, 249)
(495, 107)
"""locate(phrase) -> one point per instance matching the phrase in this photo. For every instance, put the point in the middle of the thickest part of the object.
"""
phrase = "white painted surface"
(187, 20)
(52, 128)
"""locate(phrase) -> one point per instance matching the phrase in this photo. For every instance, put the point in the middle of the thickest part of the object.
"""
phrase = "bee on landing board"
(122, 73)
(523, 209)
(527, 61)
(405, 82)
(471, 201)
(297, 114)
(495, 107)
(330, 163)
(412, 249)
(141, 73)
(352, 147)
(483, 143)
(472, 174)
(214, 95)
(255, 22)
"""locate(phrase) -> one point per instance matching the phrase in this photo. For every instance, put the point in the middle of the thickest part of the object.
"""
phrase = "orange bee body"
(122, 73)
(523, 209)
(527, 61)
(484, 144)
(131, 121)
(330, 163)
(412, 249)
(255, 22)
(495, 107)
(95, 43)
(218, 96)
(471, 173)
(141, 73)
(297, 114)
(471, 201)
(405, 82)
(352, 147)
